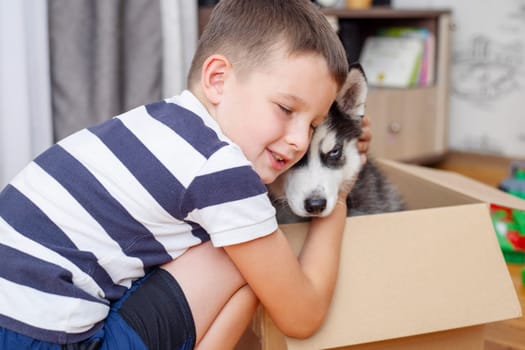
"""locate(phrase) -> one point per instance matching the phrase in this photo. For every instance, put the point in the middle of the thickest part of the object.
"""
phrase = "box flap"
(414, 272)
(459, 183)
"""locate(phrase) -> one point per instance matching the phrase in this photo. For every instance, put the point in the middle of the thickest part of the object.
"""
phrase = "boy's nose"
(299, 138)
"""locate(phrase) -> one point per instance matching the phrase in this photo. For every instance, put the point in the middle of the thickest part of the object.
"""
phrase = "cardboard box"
(426, 278)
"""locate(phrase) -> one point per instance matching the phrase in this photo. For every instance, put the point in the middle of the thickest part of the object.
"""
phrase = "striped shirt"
(100, 208)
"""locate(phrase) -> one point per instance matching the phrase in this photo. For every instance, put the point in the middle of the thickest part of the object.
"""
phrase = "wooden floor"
(505, 335)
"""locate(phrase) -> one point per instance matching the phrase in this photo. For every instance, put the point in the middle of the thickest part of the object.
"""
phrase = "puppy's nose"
(314, 206)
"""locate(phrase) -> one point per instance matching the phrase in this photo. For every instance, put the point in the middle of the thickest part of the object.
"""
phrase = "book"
(391, 61)
(426, 74)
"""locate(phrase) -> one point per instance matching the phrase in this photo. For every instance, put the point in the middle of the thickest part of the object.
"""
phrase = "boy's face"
(271, 112)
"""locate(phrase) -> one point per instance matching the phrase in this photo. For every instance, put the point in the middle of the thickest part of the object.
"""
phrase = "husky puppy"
(332, 162)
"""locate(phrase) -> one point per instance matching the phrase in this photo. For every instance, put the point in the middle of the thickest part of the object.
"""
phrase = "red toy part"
(517, 240)
(498, 208)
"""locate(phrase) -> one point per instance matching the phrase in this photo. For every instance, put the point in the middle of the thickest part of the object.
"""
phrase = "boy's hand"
(364, 140)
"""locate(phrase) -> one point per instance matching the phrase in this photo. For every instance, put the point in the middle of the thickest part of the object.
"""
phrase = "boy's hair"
(248, 31)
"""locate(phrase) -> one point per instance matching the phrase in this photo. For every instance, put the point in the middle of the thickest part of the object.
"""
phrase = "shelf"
(408, 124)
(385, 12)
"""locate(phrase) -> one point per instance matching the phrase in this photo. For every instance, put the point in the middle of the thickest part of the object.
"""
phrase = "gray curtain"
(105, 58)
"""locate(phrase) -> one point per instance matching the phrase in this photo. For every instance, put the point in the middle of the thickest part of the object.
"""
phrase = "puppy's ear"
(352, 96)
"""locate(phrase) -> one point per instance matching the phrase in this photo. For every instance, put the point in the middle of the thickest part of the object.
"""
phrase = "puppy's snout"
(314, 206)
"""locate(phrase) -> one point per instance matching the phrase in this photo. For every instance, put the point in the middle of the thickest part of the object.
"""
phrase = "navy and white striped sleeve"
(229, 201)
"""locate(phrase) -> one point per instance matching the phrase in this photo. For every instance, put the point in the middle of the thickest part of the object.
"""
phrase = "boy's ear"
(352, 96)
(215, 70)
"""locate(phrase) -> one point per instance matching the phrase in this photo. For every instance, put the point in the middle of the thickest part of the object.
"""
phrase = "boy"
(153, 230)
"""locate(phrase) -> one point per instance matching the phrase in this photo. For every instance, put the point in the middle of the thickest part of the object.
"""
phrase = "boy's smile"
(278, 162)
(270, 112)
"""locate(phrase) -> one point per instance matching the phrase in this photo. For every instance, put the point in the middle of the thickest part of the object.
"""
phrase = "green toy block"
(510, 254)
(506, 223)
(518, 217)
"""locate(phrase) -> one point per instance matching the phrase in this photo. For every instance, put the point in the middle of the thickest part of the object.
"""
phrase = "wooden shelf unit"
(408, 124)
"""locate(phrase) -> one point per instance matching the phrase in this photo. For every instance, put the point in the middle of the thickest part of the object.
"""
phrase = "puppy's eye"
(335, 153)
(334, 158)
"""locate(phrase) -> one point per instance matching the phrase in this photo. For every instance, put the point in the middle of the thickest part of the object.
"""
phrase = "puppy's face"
(311, 186)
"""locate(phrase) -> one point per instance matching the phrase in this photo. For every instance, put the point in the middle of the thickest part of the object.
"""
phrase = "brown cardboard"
(425, 278)
(467, 338)
(446, 181)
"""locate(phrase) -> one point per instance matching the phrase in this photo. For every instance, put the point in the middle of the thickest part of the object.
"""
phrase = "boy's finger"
(366, 135)
(363, 159)
(362, 147)
(365, 121)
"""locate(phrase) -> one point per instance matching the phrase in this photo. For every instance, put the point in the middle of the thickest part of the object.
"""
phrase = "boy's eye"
(285, 109)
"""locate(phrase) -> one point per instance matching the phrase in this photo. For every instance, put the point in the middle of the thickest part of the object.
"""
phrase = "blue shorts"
(152, 315)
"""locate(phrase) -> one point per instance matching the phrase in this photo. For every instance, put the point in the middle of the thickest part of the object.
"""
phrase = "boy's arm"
(295, 292)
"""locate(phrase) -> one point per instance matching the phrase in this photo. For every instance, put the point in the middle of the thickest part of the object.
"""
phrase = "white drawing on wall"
(485, 70)
(518, 12)
(487, 76)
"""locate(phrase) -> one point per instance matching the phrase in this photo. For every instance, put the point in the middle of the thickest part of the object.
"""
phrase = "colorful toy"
(509, 225)
(515, 183)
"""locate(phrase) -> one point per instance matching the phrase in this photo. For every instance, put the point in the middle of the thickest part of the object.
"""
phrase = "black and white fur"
(332, 162)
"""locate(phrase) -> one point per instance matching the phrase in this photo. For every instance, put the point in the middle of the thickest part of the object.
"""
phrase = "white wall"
(488, 74)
